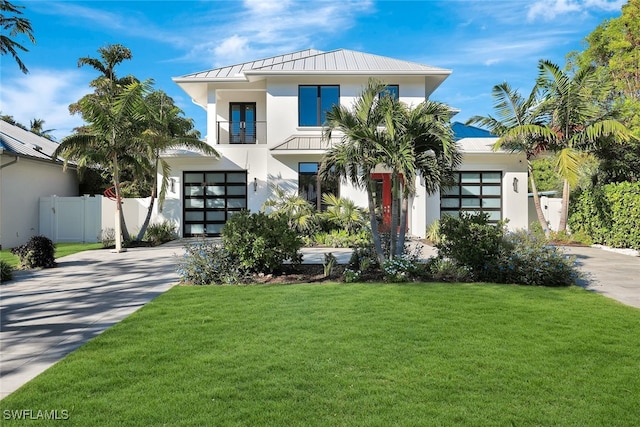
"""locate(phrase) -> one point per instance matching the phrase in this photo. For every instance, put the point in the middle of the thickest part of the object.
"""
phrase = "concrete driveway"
(46, 314)
(610, 273)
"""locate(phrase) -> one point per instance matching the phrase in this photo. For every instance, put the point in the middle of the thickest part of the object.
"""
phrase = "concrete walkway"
(46, 314)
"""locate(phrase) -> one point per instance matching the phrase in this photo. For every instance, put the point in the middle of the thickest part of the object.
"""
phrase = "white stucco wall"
(21, 185)
(276, 100)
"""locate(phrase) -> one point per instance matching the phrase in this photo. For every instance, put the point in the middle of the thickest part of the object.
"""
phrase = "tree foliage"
(613, 49)
(379, 131)
(14, 24)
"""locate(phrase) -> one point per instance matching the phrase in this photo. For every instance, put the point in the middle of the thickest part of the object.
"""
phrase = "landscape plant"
(6, 271)
(261, 243)
(38, 252)
(379, 131)
(609, 214)
(489, 253)
(207, 262)
(160, 233)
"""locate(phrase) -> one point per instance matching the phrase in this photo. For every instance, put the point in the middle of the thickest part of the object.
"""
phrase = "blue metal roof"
(462, 131)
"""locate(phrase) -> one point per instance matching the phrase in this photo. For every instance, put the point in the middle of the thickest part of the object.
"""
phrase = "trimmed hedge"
(609, 214)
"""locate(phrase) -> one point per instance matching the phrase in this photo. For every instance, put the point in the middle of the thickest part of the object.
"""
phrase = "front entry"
(383, 198)
(243, 122)
(210, 199)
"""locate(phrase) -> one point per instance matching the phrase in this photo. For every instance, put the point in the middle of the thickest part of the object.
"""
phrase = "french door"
(242, 123)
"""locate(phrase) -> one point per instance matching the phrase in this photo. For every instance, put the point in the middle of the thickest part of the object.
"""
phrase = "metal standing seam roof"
(312, 60)
(306, 142)
(22, 142)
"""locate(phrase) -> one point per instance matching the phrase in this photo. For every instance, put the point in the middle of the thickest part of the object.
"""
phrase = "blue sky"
(483, 42)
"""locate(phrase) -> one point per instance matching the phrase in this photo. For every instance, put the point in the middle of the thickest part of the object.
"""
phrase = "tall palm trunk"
(402, 233)
(154, 195)
(564, 212)
(393, 232)
(147, 219)
(536, 202)
(116, 182)
(373, 222)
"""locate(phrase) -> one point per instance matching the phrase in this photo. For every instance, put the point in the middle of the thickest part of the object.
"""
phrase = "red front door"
(383, 197)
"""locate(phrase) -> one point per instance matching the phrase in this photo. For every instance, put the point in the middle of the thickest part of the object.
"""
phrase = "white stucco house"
(27, 173)
(265, 119)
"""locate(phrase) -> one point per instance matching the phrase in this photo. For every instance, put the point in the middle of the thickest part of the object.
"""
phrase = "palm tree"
(513, 111)
(424, 146)
(575, 121)
(165, 129)
(298, 211)
(357, 155)
(37, 125)
(110, 131)
(98, 107)
(380, 131)
(13, 26)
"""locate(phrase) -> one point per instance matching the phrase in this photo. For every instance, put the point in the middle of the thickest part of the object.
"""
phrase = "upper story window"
(392, 91)
(314, 101)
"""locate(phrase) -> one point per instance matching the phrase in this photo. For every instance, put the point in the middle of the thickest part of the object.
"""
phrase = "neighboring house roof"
(24, 143)
(312, 61)
(471, 139)
(461, 131)
(477, 145)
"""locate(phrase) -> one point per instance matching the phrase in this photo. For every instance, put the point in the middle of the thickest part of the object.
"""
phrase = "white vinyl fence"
(551, 209)
(82, 219)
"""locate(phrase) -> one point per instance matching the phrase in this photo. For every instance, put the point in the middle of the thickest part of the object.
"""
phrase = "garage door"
(210, 198)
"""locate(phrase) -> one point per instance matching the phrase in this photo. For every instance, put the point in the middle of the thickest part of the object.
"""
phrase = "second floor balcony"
(241, 132)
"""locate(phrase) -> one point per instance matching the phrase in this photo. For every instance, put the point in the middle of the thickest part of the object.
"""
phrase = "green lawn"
(382, 355)
(62, 249)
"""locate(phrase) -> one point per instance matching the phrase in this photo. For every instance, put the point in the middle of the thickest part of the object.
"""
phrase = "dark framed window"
(311, 187)
(474, 192)
(392, 90)
(210, 198)
(314, 101)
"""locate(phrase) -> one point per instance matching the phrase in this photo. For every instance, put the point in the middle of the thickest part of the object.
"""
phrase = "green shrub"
(206, 263)
(488, 254)
(351, 276)
(261, 243)
(446, 270)
(342, 214)
(528, 259)
(342, 238)
(38, 252)
(398, 269)
(6, 271)
(472, 242)
(158, 234)
(610, 214)
(107, 237)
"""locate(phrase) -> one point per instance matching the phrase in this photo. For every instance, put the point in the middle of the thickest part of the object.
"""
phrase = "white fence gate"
(82, 219)
(71, 219)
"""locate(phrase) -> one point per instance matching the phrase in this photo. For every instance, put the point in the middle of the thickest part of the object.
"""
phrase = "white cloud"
(263, 28)
(43, 94)
(232, 47)
(550, 9)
